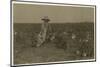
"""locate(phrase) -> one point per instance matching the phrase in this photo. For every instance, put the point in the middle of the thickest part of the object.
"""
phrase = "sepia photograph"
(47, 33)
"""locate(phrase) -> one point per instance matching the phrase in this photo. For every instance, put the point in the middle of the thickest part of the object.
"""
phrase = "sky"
(31, 13)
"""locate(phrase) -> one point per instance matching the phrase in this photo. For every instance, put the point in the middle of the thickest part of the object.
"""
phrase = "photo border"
(49, 63)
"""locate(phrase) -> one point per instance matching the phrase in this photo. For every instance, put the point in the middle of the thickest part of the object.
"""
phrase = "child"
(43, 33)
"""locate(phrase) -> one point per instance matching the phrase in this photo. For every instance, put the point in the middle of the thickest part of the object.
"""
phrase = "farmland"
(68, 41)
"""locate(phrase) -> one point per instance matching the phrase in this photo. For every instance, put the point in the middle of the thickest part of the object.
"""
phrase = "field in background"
(72, 41)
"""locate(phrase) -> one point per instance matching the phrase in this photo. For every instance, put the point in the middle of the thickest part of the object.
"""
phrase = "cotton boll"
(84, 54)
(15, 33)
(77, 52)
(73, 36)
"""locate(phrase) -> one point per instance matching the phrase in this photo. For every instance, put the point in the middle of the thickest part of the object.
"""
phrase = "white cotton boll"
(86, 40)
(80, 40)
(73, 36)
(64, 32)
(15, 33)
(16, 51)
(77, 52)
(84, 54)
(53, 37)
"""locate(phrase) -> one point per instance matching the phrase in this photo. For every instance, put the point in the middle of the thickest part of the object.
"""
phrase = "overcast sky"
(30, 13)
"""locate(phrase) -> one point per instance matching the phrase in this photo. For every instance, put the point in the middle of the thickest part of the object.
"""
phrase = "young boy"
(43, 33)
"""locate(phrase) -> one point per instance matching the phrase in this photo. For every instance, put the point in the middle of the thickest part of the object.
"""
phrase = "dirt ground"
(46, 53)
